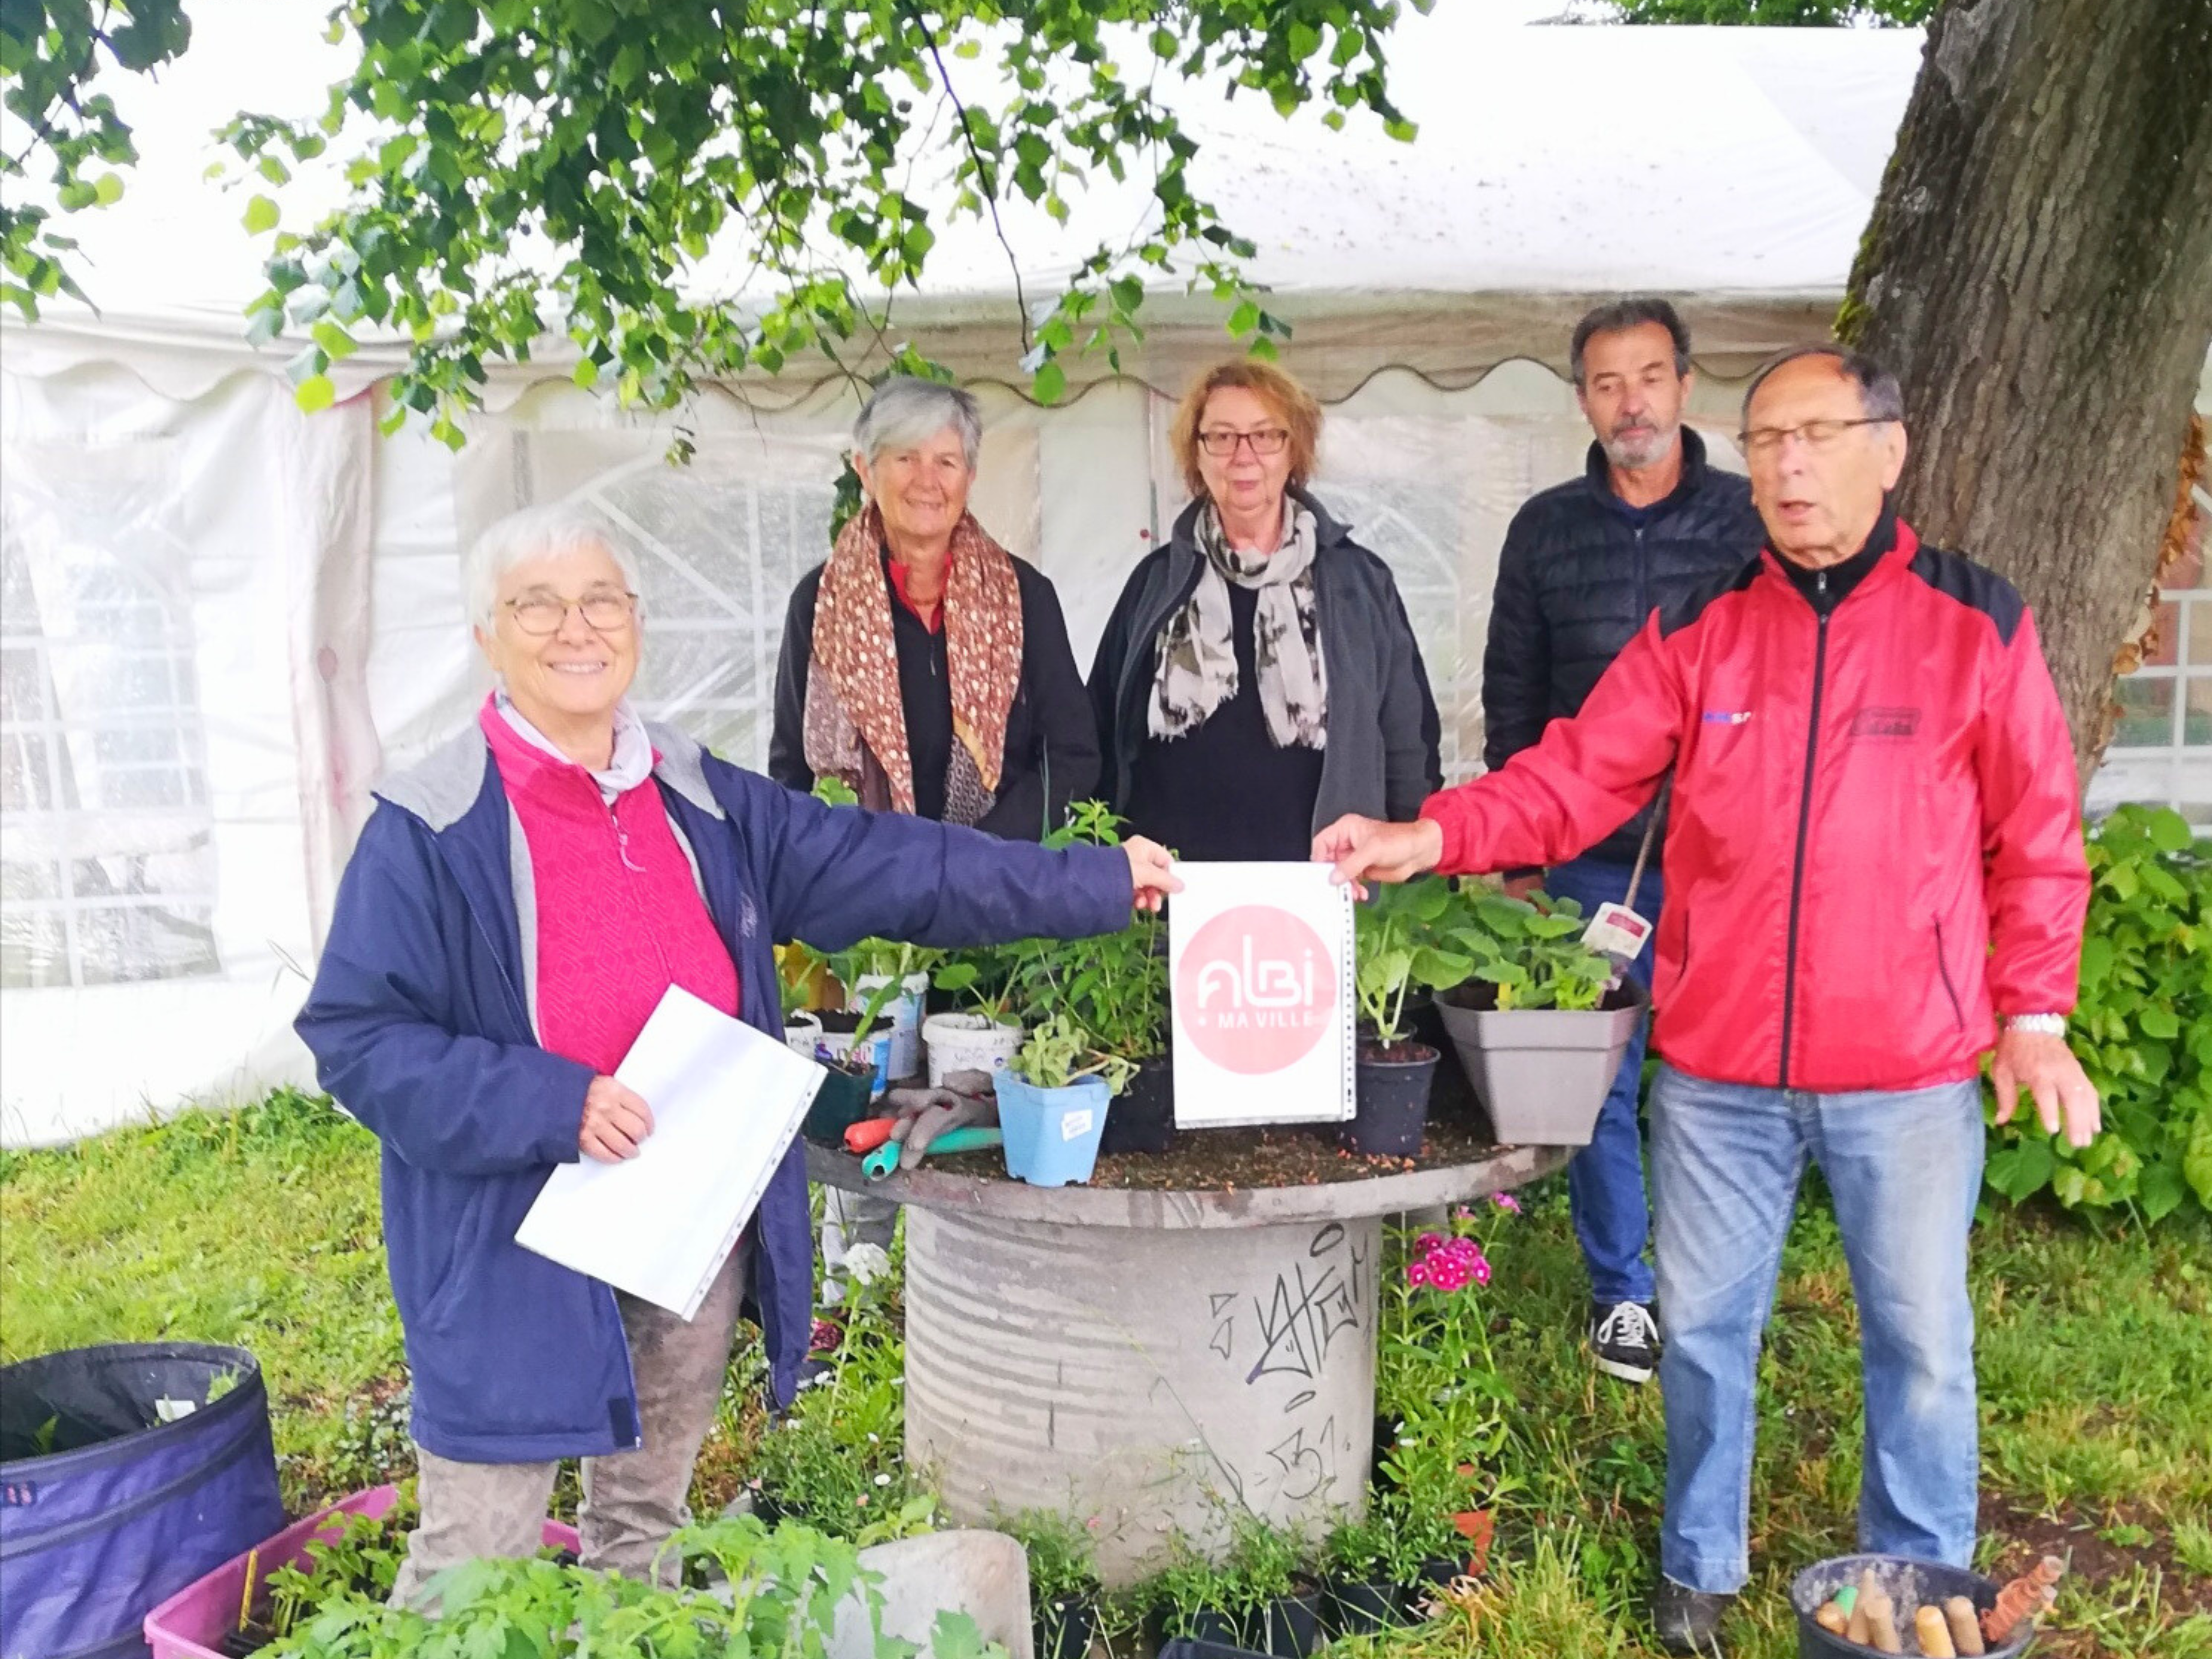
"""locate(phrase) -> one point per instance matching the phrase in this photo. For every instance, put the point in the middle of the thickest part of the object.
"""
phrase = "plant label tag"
(1618, 931)
(1073, 1125)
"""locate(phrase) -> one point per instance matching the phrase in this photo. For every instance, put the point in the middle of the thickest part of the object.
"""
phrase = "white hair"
(905, 412)
(534, 533)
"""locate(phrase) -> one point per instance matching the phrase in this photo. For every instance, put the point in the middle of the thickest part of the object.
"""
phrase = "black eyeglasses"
(1219, 441)
(541, 615)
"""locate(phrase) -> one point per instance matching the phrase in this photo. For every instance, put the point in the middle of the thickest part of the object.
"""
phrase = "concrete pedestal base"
(1151, 1361)
(1153, 1383)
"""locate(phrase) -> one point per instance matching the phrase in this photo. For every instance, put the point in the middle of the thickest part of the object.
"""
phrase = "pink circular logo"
(1255, 989)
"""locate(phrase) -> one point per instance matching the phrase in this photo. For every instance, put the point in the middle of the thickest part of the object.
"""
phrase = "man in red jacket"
(1873, 874)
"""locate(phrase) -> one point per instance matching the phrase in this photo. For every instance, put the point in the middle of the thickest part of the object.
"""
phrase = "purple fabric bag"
(120, 1482)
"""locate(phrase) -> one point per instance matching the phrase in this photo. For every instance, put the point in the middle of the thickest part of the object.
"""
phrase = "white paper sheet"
(727, 1101)
(1259, 964)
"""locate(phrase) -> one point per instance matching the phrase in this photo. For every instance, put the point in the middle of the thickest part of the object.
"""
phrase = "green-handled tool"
(880, 1163)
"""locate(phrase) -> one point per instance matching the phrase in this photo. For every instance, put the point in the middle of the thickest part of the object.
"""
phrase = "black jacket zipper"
(1804, 831)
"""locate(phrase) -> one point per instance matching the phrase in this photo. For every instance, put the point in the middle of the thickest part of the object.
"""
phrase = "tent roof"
(1733, 165)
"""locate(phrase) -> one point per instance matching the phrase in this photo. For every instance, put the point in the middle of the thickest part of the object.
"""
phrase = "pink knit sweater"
(620, 917)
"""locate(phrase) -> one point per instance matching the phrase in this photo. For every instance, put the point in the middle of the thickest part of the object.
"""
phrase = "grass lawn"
(260, 1227)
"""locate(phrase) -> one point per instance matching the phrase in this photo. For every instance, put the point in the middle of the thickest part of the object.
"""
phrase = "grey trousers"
(633, 1500)
(850, 1219)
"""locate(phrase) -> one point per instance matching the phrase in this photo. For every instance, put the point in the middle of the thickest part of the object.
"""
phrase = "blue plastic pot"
(1052, 1135)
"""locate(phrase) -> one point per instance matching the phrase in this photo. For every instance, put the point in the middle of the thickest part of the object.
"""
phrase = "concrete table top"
(1003, 1198)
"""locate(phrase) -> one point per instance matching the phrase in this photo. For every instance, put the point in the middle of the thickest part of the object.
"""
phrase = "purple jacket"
(422, 1023)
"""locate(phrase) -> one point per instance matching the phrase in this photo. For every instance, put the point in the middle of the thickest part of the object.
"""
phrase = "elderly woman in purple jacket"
(518, 904)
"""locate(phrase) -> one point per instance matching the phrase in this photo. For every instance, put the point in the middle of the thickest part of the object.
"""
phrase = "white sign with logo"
(1260, 967)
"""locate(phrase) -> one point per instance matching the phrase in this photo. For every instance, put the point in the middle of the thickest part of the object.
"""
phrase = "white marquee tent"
(222, 620)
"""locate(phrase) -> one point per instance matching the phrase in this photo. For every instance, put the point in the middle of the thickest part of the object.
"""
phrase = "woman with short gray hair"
(518, 905)
(923, 664)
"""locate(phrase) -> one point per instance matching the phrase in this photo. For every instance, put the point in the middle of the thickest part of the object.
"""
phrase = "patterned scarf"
(855, 726)
(1198, 659)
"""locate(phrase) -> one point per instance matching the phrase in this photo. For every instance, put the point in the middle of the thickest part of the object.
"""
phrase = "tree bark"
(2037, 271)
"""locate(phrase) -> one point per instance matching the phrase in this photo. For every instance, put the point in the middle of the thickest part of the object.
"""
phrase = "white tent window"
(2161, 747)
(108, 874)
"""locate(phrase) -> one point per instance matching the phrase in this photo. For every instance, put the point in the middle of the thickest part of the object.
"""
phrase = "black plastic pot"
(1452, 1097)
(1143, 1118)
(1364, 1607)
(1064, 1627)
(1288, 1627)
(1909, 1584)
(1393, 1099)
(841, 1102)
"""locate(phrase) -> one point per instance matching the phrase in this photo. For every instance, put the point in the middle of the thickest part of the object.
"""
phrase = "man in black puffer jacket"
(1584, 564)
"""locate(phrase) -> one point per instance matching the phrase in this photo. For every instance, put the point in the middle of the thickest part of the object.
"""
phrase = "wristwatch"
(2040, 1025)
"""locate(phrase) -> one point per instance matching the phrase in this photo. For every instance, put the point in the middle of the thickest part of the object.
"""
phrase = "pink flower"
(1416, 1273)
(1462, 1213)
(1464, 1249)
(1428, 1243)
(1506, 1201)
(1482, 1272)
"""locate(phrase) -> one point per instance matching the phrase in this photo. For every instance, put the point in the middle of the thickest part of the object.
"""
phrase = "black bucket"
(1908, 1583)
(121, 1482)
(1143, 1118)
(842, 1100)
(1392, 1097)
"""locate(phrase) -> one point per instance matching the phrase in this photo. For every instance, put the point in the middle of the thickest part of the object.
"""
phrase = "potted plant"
(1395, 947)
(1542, 1023)
(1368, 1589)
(1064, 1588)
(1053, 1101)
(856, 1055)
(1115, 986)
(987, 1032)
(889, 980)
(1258, 1599)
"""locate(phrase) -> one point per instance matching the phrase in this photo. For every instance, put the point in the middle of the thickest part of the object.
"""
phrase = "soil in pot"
(1143, 1118)
(1065, 1626)
(1393, 1099)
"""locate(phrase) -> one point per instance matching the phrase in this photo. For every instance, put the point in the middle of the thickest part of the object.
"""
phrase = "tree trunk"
(2038, 273)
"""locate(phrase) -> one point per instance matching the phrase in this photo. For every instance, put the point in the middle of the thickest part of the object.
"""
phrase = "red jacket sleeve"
(1585, 778)
(2036, 874)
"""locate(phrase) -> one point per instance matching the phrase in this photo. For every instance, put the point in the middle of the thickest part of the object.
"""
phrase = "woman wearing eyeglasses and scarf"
(1259, 671)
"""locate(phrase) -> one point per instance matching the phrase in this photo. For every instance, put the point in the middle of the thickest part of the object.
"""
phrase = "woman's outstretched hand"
(1151, 872)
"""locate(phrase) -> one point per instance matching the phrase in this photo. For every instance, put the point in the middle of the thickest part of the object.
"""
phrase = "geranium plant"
(1532, 956)
(1060, 1052)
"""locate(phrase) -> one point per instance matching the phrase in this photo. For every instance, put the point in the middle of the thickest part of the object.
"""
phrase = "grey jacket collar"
(442, 786)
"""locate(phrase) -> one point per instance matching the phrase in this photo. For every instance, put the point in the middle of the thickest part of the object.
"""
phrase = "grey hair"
(905, 411)
(534, 533)
(1620, 315)
(1881, 398)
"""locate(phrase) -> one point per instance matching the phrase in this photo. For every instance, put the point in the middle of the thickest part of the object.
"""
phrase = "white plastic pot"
(901, 1018)
(801, 1032)
(968, 1042)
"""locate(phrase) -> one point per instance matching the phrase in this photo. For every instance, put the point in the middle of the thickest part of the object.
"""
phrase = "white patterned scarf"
(1197, 669)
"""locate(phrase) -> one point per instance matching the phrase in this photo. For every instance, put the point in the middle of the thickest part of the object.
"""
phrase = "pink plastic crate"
(190, 1623)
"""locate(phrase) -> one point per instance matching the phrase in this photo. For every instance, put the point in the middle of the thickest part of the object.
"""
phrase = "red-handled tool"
(868, 1133)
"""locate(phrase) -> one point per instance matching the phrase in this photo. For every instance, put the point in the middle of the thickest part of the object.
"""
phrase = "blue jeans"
(1605, 1183)
(1904, 1169)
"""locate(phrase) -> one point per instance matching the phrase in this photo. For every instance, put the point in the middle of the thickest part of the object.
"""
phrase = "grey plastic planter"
(1542, 1073)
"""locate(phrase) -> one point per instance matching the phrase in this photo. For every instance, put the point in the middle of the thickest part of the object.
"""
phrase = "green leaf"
(2020, 1169)
(315, 393)
(337, 345)
(2158, 1022)
(586, 374)
(2168, 830)
(1051, 382)
(261, 215)
(107, 188)
(2197, 1157)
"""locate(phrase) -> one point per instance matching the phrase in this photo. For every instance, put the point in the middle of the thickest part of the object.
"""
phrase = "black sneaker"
(1624, 1340)
(1686, 1620)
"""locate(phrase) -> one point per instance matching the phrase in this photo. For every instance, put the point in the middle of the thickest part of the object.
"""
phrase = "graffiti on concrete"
(1291, 1326)
(1306, 1460)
